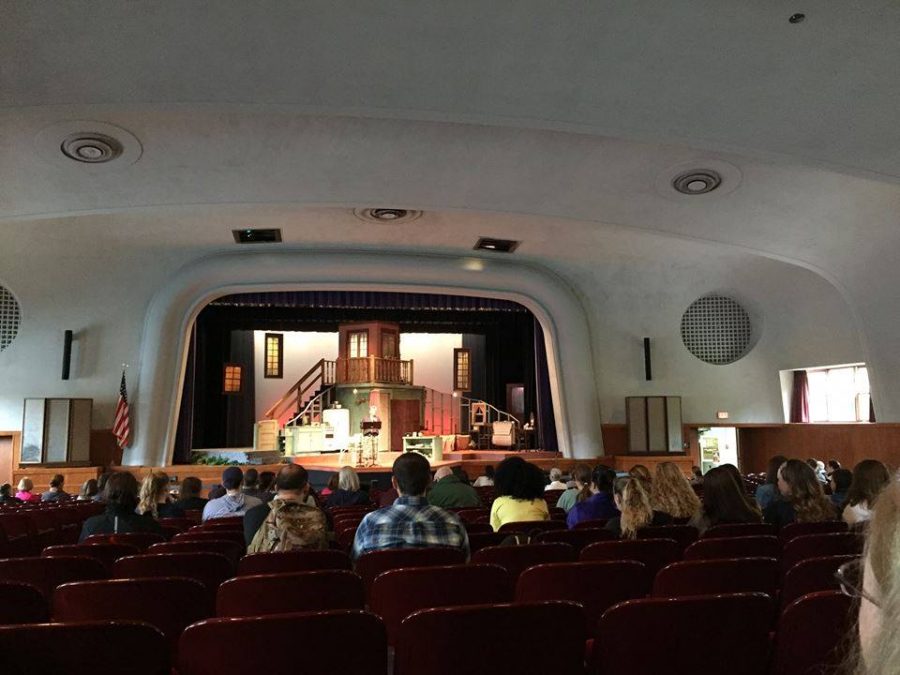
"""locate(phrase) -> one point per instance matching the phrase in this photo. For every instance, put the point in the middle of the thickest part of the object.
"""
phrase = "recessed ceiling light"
(91, 148)
(496, 245)
(797, 18)
(697, 182)
(257, 236)
(387, 215)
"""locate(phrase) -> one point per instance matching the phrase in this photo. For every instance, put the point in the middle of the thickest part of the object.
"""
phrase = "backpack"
(288, 526)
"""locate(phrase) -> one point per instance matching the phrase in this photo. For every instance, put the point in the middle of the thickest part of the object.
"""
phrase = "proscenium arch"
(163, 352)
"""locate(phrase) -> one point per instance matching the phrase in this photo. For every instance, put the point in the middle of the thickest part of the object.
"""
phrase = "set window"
(388, 345)
(462, 370)
(358, 342)
(231, 380)
(274, 355)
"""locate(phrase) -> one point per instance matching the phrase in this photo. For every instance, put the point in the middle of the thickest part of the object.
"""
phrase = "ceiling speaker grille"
(10, 316)
(716, 329)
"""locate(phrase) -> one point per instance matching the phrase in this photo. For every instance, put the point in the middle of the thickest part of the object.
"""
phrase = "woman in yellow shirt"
(520, 493)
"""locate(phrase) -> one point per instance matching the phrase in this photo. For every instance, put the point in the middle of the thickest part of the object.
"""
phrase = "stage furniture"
(503, 434)
(430, 446)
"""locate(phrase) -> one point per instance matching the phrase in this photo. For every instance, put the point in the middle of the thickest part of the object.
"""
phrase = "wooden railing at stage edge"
(364, 369)
(321, 374)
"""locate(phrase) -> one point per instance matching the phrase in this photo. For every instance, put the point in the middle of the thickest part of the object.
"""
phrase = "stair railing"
(321, 374)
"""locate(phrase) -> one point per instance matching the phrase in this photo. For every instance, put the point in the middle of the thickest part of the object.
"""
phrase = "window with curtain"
(274, 355)
(231, 380)
(358, 344)
(462, 370)
(839, 394)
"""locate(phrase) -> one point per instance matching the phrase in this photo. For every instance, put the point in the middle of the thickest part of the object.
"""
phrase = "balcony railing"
(364, 369)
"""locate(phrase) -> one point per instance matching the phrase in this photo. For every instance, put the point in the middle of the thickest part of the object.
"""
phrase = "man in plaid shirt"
(411, 521)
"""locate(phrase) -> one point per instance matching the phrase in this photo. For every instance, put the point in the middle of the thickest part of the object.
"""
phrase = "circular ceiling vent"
(717, 330)
(392, 216)
(697, 182)
(91, 148)
(10, 317)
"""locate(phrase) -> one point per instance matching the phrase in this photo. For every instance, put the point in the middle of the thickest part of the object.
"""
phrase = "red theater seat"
(22, 603)
(210, 569)
(169, 604)
(236, 524)
(516, 559)
(142, 540)
(591, 524)
(708, 577)
(21, 537)
(596, 586)
(525, 639)
(531, 525)
(48, 573)
(577, 539)
(793, 530)
(313, 642)
(734, 547)
(480, 540)
(261, 594)
(216, 534)
(398, 593)
(478, 528)
(808, 546)
(685, 535)
(229, 549)
(106, 553)
(473, 514)
(712, 635)
(293, 561)
(180, 524)
(83, 648)
(811, 633)
(740, 530)
(372, 564)
(654, 553)
(811, 575)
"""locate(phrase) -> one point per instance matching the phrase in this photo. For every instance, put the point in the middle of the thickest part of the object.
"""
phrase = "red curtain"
(800, 397)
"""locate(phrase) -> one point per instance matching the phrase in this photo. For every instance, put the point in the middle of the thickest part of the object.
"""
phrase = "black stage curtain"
(184, 434)
(545, 434)
(240, 409)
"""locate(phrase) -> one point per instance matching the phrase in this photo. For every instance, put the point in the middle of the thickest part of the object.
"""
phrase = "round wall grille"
(10, 316)
(716, 329)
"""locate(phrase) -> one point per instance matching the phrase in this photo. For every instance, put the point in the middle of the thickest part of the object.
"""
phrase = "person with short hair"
(56, 492)
(556, 482)
(154, 497)
(411, 521)
(101, 487)
(601, 504)
(696, 476)
(251, 484)
(266, 486)
(831, 466)
(189, 498)
(26, 485)
(120, 516)
(520, 493)
(6, 495)
(449, 492)
(89, 490)
(233, 503)
(348, 492)
(486, 479)
(287, 522)
(331, 486)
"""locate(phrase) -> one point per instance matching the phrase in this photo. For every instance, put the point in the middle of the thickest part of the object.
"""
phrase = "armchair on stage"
(490, 427)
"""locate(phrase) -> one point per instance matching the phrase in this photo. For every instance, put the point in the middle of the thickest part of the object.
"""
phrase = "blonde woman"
(672, 493)
(154, 497)
(25, 493)
(633, 502)
(348, 492)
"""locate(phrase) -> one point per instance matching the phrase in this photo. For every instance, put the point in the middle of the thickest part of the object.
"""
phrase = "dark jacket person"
(121, 501)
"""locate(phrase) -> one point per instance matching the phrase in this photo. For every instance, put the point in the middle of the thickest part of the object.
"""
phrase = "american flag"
(121, 427)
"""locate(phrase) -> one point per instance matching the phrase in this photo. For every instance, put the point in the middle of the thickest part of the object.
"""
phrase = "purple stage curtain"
(800, 397)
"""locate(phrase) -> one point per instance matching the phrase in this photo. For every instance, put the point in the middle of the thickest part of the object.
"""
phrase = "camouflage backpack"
(288, 526)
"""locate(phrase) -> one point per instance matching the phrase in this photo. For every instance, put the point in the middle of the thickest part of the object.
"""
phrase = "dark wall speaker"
(648, 373)
(67, 354)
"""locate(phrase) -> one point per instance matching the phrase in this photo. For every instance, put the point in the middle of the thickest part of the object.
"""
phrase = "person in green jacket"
(450, 492)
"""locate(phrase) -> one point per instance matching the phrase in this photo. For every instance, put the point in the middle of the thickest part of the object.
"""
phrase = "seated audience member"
(724, 502)
(633, 502)
(233, 503)
(101, 487)
(696, 476)
(215, 492)
(251, 484)
(154, 497)
(818, 468)
(486, 480)
(411, 521)
(89, 490)
(6, 495)
(267, 486)
(641, 472)
(25, 491)
(449, 492)
(520, 493)
(768, 491)
(870, 477)
(804, 500)
(582, 490)
(831, 466)
(332, 485)
(876, 584)
(556, 482)
(287, 522)
(839, 481)
(120, 515)
(56, 492)
(671, 493)
(601, 503)
(348, 492)
(189, 498)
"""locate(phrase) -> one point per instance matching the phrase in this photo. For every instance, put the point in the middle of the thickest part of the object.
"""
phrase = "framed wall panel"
(654, 424)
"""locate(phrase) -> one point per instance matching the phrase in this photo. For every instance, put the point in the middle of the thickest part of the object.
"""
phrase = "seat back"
(708, 577)
(170, 604)
(210, 569)
(398, 593)
(739, 622)
(141, 540)
(811, 634)
(516, 559)
(740, 530)
(22, 603)
(259, 594)
(793, 530)
(318, 639)
(654, 553)
(372, 564)
(577, 539)
(478, 528)
(765, 546)
(216, 534)
(526, 639)
(685, 535)
(597, 586)
(480, 540)
(531, 525)
(48, 573)
(74, 648)
(229, 549)
(592, 524)
(105, 553)
(281, 562)
(808, 546)
(21, 537)
(235, 524)
(811, 575)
